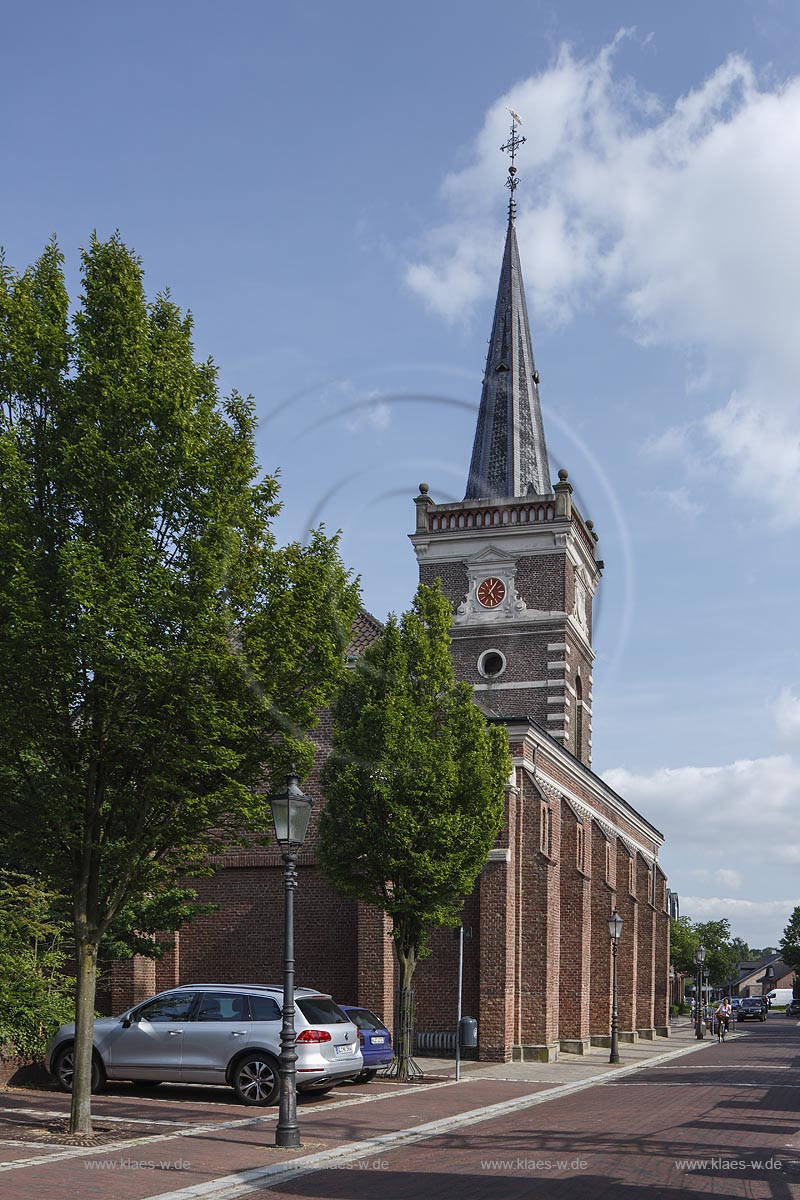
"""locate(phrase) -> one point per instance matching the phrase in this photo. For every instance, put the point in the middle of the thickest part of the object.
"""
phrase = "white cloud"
(371, 413)
(710, 908)
(787, 716)
(751, 803)
(358, 411)
(734, 828)
(679, 500)
(669, 443)
(724, 877)
(685, 216)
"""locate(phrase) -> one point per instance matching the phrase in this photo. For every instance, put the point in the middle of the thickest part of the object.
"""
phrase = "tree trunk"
(404, 1031)
(80, 1120)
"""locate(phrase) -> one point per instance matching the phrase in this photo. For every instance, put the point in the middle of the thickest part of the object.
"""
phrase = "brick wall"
(541, 581)
(453, 575)
(498, 945)
(576, 925)
(538, 854)
(604, 872)
(646, 949)
(661, 958)
(436, 976)
(242, 941)
(627, 955)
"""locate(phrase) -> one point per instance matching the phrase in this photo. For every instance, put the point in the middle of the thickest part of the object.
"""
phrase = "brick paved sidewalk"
(195, 1138)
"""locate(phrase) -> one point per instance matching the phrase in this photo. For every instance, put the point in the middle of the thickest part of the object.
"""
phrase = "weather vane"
(511, 146)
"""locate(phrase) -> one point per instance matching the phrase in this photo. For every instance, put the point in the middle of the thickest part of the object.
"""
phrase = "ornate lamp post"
(291, 812)
(699, 958)
(615, 929)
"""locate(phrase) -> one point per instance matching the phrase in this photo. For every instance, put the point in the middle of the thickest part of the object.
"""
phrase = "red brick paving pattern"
(621, 1140)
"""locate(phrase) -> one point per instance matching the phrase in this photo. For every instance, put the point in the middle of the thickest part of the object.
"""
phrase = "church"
(519, 564)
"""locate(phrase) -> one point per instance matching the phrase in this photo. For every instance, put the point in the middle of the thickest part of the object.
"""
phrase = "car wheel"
(64, 1070)
(366, 1075)
(256, 1079)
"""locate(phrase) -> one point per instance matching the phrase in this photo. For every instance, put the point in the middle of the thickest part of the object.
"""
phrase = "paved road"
(719, 1120)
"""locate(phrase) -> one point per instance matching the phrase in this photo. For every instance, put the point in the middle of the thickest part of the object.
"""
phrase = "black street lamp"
(291, 812)
(615, 929)
(699, 958)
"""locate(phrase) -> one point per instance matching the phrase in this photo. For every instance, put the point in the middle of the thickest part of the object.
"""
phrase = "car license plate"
(379, 1040)
(345, 1049)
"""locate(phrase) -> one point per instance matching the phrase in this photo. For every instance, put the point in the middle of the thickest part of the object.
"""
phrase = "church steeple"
(509, 455)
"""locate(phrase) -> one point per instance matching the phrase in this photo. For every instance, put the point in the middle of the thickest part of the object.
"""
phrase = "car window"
(317, 1010)
(223, 1006)
(365, 1019)
(264, 1008)
(176, 1006)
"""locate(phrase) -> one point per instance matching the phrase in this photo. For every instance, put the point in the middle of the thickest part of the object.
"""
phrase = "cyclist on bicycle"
(723, 1015)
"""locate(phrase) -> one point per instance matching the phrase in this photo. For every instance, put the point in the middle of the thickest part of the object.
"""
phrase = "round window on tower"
(491, 664)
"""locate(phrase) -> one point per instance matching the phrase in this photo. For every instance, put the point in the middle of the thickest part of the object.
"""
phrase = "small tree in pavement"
(414, 787)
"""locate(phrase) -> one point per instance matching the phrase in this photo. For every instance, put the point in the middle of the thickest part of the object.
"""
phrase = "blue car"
(375, 1039)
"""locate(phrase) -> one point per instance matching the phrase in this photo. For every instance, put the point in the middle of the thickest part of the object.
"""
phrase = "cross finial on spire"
(511, 146)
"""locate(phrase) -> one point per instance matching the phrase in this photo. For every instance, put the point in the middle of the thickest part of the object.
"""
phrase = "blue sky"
(321, 184)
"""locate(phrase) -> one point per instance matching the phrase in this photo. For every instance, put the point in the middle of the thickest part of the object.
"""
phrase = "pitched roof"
(366, 630)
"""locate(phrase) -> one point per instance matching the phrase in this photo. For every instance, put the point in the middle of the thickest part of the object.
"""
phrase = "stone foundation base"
(546, 1053)
(604, 1039)
(575, 1045)
(647, 1035)
(662, 1031)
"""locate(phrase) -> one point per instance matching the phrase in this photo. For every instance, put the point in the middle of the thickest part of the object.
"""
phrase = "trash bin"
(468, 1033)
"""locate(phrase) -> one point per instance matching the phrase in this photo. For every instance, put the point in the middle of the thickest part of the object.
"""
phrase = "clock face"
(491, 592)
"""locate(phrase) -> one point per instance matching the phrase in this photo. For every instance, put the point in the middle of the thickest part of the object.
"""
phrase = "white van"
(780, 995)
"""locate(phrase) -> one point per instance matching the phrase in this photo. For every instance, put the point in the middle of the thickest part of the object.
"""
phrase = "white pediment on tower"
(491, 597)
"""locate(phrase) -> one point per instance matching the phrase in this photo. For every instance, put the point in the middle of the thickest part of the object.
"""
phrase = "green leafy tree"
(683, 943)
(722, 951)
(740, 951)
(35, 990)
(721, 958)
(414, 787)
(790, 942)
(160, 657)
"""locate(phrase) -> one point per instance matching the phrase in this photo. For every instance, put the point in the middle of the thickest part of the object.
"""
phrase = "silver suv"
(217, 1033)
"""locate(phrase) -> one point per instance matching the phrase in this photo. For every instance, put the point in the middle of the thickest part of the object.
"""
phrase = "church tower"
(515, 557)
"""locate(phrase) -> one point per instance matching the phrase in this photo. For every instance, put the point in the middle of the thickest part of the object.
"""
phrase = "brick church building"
(519, 564)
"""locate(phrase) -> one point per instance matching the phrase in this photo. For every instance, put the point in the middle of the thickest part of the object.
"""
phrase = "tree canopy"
(722, 951)
(415, 783)
(161, 658)
(790, 942)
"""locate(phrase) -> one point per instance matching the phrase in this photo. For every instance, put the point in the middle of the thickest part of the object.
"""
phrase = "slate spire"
(509, 455)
